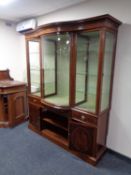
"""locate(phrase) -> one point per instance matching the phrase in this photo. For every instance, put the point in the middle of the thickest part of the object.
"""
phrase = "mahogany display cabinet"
(70, 69)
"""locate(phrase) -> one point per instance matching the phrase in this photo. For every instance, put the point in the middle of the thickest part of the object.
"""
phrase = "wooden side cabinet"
(13, 101)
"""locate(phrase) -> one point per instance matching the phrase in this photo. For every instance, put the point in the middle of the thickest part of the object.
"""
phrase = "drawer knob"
(83, 117)
(34, 100)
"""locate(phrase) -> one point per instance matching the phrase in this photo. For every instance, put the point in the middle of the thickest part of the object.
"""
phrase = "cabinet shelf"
(49, 69)
(35, 69)
(56, 122)
(55, 126)
(80, 91)
(49, 82)
(34, 52)
(6, 105)
(56, 137)
(84, 73)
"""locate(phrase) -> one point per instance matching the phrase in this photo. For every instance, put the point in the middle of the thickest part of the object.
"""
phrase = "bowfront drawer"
(34, 100)
(84, 118)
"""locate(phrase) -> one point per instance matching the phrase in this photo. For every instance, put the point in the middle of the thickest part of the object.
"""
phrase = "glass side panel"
(34, 58)
(108, 57)
(49, 66)
(87, 70)
(56, 63)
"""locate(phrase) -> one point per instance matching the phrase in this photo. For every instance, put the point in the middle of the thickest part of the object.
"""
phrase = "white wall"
(12, 51)
(119, 135)
(117, 8)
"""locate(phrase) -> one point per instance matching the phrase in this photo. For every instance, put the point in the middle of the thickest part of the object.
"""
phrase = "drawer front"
(84, 118)
(34, 100)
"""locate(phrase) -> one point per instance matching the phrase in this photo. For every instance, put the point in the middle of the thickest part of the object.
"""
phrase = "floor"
(23, 152)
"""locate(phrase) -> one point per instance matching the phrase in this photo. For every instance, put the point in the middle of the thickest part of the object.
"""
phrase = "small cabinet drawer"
(84, 118)
(34, 100)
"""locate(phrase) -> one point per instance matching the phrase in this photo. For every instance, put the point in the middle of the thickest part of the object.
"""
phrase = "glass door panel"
(107, 68)
(34, 61)
(87, 70)
(49, 53)
(56, 64)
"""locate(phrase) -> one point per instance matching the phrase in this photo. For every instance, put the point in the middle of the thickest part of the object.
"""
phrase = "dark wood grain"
(13, 101)
(5, 75)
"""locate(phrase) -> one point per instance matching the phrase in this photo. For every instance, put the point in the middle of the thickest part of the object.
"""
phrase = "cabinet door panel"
(17, 108)
(81, 137)
(34, 115)
(56, 66)
(2, 112)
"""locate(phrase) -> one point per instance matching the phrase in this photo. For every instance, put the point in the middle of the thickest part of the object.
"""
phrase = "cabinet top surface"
(10, 83)
(91, 19)
(107, 21)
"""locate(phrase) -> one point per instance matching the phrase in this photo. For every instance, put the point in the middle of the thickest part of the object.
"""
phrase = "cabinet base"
(64, 144)
(4, 124)
(18, 122)
(11, 125)
(90, 159)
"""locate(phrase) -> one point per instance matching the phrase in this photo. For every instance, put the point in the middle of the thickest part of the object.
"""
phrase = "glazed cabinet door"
(107, 71)
(17, 108)
(33, 53)
(82, 138)
(87, 56)
(56, 68)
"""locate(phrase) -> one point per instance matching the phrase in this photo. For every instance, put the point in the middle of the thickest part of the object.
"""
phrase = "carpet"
(23, 152)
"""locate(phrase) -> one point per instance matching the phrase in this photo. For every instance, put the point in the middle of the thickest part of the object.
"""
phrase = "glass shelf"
(58, 100)
(34, 69)
(36, 93)
(34, 52)
(49, 82)
(49, 69)
(94, 75)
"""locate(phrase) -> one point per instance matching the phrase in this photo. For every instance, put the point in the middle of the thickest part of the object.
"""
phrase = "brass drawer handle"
(34, 100)
(83, 117)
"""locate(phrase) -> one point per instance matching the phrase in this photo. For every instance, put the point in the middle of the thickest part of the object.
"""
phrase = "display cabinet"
(70, 69)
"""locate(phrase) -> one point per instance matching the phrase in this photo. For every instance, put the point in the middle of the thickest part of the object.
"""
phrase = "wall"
(119, 135)
(89, 9)
(12, 51)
